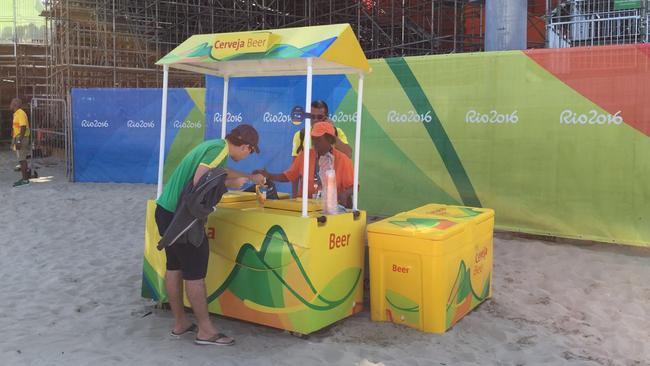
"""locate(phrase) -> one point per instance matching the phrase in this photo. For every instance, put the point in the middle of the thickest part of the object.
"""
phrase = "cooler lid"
(457, 213)
(411, 225)
(431, 222)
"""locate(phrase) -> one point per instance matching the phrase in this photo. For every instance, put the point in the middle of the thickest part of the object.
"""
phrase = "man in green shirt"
(186, 264)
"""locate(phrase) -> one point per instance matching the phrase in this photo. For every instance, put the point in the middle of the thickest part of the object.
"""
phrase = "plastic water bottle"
(329, 197)
(261, 193)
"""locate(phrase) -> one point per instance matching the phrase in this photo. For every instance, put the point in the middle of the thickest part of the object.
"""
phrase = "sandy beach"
(71, 268)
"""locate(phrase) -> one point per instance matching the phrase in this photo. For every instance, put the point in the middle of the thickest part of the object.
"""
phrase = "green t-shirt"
(211, 153)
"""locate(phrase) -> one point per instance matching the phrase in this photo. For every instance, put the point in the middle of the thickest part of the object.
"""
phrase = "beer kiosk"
(281, 263)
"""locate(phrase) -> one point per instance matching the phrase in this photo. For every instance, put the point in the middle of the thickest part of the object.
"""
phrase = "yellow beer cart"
(283, 264)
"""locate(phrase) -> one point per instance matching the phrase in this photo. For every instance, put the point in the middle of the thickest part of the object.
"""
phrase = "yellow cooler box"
(430, 266)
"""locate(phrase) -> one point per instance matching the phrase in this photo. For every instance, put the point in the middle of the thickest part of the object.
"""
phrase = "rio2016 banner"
(555, 141)
(116, 132)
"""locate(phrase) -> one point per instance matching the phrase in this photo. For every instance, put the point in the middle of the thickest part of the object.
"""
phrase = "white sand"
(70, 269)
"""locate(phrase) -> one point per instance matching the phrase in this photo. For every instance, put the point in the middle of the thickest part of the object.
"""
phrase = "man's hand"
(269, 176)
(261, 172)
(236, 183)
(240, 181)
(258, 178)
(343, 147)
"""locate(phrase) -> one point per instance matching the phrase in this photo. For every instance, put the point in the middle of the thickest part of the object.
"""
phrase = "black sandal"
(218, 340)
(191, 329)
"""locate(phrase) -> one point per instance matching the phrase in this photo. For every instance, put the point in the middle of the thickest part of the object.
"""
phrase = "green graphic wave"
(152, 284)
(201, 50)
(463, 286)
(393, 162)
(462, 289)
(436, 131)
(469, 212)
(406, 304)
(417, 223)
(407, 309)
(259, 276)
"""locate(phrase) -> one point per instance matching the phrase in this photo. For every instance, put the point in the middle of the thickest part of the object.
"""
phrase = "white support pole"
(306, 179)
(224, 109)
(163, 128)
(357, 145)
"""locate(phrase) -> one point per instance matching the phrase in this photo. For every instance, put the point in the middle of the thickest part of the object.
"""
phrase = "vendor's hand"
(17, 145)
(258, 178)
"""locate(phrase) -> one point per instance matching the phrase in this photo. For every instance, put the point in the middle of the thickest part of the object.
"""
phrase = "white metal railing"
(595, 22)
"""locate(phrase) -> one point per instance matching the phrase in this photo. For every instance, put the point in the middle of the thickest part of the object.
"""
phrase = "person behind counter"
(319, 113)
(186, 264)
(324, 137)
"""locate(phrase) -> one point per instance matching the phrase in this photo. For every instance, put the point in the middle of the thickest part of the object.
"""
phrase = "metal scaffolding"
(22, 56)
(392, 28)
(115, 43)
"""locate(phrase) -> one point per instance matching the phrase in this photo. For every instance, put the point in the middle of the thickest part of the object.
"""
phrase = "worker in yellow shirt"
(20, 139)
(319, 113)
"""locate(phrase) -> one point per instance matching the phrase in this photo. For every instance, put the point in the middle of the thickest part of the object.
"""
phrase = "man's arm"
(345, 172)
(295, 187)
(21, 135)
(343, 147)
(290, 175)
(341, 143)
(345, 197)
(235, 183)
(257, 178)
(232, 175)
(279, 177)
(202, 169)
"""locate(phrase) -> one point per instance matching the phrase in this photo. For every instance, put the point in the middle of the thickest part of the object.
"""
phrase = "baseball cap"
(322, 128)
(245, 134)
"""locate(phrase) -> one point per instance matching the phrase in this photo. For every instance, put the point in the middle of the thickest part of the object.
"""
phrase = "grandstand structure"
(115, 43)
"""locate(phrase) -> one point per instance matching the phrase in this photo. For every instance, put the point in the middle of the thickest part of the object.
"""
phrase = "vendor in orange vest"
(323, 137)
(319, 113)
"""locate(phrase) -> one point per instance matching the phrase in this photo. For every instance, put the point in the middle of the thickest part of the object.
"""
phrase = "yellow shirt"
(20, 120)
(296, 140)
